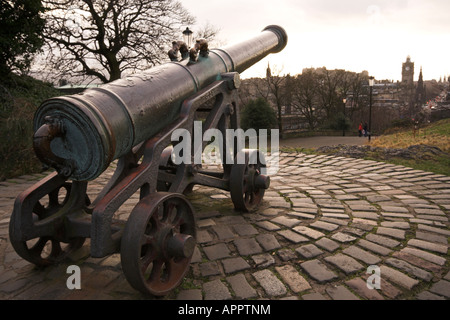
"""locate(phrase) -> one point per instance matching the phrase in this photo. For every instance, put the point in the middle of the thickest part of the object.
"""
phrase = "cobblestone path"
(324, 224)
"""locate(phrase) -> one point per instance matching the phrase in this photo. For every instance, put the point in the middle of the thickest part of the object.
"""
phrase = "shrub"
(258, 114)
(19, 98)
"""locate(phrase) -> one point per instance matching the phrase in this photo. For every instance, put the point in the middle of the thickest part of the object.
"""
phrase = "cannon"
(131, 121)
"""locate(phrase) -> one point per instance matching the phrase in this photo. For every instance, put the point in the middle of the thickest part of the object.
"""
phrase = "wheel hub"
(174, 245)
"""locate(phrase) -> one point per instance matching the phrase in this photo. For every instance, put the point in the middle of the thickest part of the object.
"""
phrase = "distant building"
(408, 73)
(420, 90)
(391, 100)
(408, 96)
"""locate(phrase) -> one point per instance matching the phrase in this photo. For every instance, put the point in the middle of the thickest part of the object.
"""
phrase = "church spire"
(420, 90)
(268, 71)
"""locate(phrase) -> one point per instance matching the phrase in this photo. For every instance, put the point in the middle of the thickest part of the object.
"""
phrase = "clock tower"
(408, 73)
(407, 86)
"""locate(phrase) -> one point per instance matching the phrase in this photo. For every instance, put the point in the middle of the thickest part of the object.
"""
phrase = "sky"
(355, 35)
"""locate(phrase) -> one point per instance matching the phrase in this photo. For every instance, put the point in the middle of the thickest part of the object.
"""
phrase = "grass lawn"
(435, 134)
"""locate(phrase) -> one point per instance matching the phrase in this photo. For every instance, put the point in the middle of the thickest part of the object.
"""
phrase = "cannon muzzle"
(79, 135)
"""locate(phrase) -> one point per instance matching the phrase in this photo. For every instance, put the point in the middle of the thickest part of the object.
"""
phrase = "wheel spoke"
(155, 222)
(56, 249)
(178, 218)
(252, 197)
(148, 258)
(174, 268)
(37, 249)
(39, 209)
(246, 197)
(168, 208)
(53, 198)
(147, 239)
(155, 275)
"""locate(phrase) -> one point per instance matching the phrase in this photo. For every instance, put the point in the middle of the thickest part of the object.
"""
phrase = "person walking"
(360, 128)
(365, 129)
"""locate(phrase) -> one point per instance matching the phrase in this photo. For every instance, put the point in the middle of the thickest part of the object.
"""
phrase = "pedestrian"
(360, 128)
(365, 129)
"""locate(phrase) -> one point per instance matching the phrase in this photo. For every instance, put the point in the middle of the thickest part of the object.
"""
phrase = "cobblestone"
(428, 246)
(405, 266)
(247, 246)
(429, 237)
(374, 247)
(193, 294)
(441, 288)
(425, 255)
(223, 232)
(345, 263)
(216, 290)
(232, 265)
(419, 262)
(362, 255)
(241, 287)
(324, 226)
(426, 295)
(263, 260)
(359, 286)
(217, 251)
(311, 233)
(341, 293)
(394, 233)
(292, 236)
(398, 277)
(309, 251)
(383, 241)
(318, 271)
(342, 237)
(293, 279)
(268, 242)
(313, 296)
(209, 269)
(327, 244)
(270, 283)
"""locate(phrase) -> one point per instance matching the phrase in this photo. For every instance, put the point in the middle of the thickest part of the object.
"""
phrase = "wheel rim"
(158, 243)
(45, 250)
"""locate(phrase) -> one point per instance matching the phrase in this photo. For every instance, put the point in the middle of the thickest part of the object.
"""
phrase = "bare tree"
(359, 94)
(252, 89)
(208, 32)
(105, 39)
(275, 84)
(305, 97)
(328, 85)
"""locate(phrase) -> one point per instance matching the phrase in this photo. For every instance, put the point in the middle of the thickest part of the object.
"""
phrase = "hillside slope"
(435, 134)
(427, 148)
(19, 98)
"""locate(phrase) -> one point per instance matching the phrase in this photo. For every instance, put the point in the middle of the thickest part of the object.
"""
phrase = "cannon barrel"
(81, 134)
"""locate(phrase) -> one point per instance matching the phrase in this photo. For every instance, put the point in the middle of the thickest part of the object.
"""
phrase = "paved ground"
(321, 141)
(323, 223)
